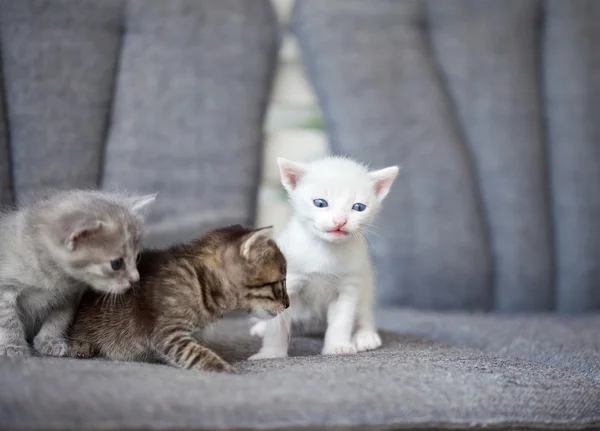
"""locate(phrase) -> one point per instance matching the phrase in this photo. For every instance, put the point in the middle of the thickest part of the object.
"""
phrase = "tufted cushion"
(147, 95)
(489, 106)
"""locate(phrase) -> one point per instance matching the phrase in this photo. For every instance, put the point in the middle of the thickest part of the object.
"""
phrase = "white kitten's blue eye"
(359, 207)
(320, 203)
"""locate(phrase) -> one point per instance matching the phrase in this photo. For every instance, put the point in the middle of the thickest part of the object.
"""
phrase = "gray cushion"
(384, 103)
(572, 97)
(414, 381)
(146, 95)
(568, 342)
(491, 108)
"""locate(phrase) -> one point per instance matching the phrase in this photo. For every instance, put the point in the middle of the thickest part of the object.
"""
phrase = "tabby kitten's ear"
(254, 240)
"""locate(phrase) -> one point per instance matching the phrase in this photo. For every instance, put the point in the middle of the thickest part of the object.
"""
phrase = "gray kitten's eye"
(116, 264)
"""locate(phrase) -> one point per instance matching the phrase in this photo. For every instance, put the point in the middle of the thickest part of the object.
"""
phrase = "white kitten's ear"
(291, 173)
(383, 179)
(258, 236)
(139, 203)
(82, 231)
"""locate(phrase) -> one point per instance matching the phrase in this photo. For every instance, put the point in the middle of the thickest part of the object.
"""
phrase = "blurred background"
(489, 106)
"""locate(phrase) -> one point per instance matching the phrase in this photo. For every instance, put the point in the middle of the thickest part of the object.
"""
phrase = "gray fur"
(50, 251)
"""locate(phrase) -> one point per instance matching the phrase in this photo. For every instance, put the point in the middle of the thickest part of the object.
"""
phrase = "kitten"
(183, 288)
(49, 250)
(333, 200)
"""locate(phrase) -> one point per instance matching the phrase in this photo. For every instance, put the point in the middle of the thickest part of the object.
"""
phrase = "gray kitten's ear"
(290, 172)
(82, 231)
(139, 203)
(254, 238)
(383, 179)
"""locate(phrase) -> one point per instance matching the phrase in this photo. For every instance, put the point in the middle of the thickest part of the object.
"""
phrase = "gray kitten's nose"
(133, 276)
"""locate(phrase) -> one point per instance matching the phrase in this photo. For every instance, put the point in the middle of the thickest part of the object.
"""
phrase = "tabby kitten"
(182, 288)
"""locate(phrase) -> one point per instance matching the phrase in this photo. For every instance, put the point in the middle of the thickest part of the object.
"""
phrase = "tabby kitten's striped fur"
(182, 288)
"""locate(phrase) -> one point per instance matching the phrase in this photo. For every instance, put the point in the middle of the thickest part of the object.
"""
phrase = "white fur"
(328, 275)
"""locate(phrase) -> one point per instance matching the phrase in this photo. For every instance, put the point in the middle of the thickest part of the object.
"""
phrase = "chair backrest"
(492, 109)
(146, 95)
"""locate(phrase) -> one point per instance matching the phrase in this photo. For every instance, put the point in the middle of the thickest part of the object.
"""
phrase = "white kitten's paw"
(268, 354)
(339, 349)
(367, 340)
(51, 346)
(258, 329)
(14, 350)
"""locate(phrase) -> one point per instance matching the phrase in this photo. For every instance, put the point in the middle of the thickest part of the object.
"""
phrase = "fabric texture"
(150, 96)
(572, 97)
(191, 92)
(411, 382)
(59, 60)
(6, 197)
(489, 107)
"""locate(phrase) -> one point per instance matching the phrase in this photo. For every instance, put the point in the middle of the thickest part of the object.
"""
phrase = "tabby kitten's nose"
(133, 276)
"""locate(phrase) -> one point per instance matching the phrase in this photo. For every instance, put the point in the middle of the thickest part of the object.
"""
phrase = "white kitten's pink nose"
(133, 276)
(340, 222)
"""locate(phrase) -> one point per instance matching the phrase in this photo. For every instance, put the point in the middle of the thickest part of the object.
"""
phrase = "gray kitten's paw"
(82, 349)
(51, 346)
(14, 350)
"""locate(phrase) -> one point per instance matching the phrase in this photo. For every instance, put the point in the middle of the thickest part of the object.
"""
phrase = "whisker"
(367, 239)
(287, 321)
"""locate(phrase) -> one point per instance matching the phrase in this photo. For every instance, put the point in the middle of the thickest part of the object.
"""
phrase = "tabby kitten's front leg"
(179, 348)
(83, 349)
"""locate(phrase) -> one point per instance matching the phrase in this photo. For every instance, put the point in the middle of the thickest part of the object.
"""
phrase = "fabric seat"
(490, 372)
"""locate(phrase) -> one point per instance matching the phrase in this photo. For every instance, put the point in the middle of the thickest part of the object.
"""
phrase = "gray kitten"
(50, 250)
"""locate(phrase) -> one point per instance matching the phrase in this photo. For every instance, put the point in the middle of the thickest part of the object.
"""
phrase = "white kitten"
(329, 272)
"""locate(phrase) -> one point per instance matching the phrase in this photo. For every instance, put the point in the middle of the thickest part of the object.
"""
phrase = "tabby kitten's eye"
(359, 207)
(320, 203)
(116, 264)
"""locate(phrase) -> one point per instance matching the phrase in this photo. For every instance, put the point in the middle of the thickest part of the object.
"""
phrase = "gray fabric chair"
(487, 269)
(163, 96)
(490, 108)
